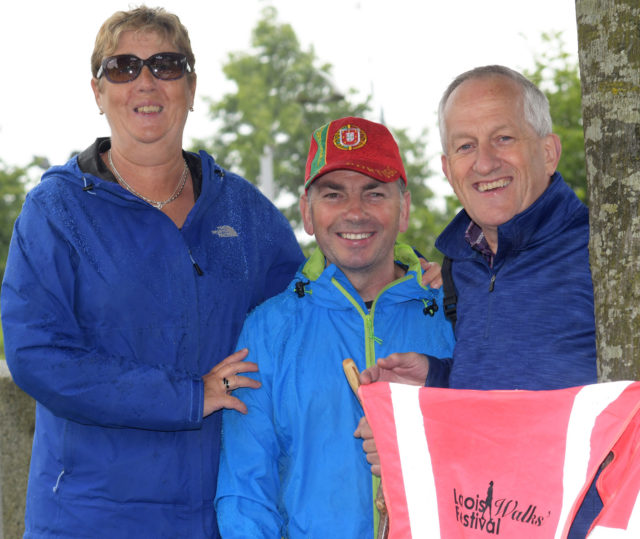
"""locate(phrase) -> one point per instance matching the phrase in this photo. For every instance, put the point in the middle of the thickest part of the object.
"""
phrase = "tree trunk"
(609, 52)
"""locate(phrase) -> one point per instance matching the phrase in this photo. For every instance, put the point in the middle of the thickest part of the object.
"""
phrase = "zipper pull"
(370, 330)
(492, 282)
(195, 265)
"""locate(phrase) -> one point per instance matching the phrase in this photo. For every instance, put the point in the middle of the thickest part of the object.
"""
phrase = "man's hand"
(220, 381)
(368, 445)
(404, 368)
(431, 274)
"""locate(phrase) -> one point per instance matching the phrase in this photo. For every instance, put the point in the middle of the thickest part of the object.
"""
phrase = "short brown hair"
(143, 19)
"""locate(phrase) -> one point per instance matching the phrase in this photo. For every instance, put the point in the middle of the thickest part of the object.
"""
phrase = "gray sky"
(405, 52)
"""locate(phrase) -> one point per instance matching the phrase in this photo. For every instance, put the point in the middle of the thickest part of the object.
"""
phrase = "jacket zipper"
(370, 341)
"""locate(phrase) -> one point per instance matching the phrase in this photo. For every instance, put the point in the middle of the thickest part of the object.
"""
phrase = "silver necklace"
(155, 203)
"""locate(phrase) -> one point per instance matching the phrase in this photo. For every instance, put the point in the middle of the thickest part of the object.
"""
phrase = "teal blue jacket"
(291, 467)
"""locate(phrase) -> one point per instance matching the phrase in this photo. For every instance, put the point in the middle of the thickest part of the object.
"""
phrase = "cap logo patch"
(349, 138)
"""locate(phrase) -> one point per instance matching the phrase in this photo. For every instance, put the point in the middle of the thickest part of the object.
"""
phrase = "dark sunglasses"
(127, 67)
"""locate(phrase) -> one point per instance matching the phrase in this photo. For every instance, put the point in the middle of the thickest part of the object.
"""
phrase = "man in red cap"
(291, 467)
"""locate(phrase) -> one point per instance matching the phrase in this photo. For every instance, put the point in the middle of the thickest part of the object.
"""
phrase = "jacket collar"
(537, 223)
(319, 281)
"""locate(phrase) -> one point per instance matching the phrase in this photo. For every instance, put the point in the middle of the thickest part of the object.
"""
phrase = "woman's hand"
(220, 381)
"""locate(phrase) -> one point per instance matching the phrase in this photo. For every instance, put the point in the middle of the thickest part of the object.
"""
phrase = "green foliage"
(13, 182)
(426, 220)
(282, 94)
(13, 188)
(556, 73)
(425, 225)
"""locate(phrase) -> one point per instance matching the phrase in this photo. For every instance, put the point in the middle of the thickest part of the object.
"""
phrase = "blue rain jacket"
(109, 325)
(292, 466)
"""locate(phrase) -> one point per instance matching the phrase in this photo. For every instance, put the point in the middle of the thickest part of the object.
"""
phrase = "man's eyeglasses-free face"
(126, 67)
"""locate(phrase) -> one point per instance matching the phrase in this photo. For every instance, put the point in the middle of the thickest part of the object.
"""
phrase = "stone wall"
(17, 422)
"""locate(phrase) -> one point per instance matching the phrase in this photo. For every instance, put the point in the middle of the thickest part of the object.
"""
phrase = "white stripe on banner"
(417, 472)
(587, 406)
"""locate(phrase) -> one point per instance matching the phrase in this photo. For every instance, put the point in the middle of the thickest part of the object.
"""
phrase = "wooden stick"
(352, 374)
(353, 377)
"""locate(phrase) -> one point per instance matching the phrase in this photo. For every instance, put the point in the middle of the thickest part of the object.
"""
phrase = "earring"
(101, 112)
(191, 108)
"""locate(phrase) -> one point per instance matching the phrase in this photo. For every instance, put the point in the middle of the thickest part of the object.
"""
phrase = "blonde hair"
(141, 19)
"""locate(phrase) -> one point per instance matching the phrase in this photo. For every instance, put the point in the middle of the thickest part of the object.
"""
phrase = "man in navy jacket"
(519, 249)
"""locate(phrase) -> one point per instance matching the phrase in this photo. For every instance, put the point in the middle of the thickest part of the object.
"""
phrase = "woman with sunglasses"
(130, 272)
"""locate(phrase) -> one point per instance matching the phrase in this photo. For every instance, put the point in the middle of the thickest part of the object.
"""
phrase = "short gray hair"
(536, 104)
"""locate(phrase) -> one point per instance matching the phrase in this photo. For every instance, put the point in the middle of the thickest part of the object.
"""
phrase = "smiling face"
(146, 110)
(356, 220)
(495, 162)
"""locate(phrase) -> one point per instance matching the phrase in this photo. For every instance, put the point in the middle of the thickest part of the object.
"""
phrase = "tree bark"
(609, 54)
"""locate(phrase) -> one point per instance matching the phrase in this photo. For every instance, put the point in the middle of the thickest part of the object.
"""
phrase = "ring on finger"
(226, 384)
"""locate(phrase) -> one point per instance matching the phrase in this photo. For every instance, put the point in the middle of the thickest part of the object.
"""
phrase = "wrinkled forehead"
(478, 90)
(485, 103)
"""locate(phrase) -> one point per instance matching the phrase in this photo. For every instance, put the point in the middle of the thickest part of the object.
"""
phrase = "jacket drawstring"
(430, 307)
(195, 265)
(57, 485)
(88, 187)
(299, 289)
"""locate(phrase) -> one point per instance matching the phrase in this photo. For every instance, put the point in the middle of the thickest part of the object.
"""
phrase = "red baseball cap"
(354, 144)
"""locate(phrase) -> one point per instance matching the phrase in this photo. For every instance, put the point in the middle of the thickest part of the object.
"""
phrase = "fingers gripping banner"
(471, 464)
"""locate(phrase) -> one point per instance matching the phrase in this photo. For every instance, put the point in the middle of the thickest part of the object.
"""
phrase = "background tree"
(282, 94)
(556, 73)
(13, 181)
(426, 220)
(609, 53)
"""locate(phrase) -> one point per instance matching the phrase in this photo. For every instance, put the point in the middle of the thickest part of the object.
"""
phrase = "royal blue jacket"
(528, 322)
(111, 315)
(292, 466)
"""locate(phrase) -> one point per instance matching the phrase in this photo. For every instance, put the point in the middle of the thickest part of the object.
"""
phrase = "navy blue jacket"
(109, 326)
(528, 322)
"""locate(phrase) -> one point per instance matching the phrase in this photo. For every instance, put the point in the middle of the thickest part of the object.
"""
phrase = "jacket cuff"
(197, 401)
(439, 369)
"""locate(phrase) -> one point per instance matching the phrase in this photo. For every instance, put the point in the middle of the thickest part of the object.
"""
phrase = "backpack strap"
(450, 300)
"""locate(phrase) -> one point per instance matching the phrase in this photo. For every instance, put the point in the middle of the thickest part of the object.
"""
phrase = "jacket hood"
(318, 282)
(95, 186)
